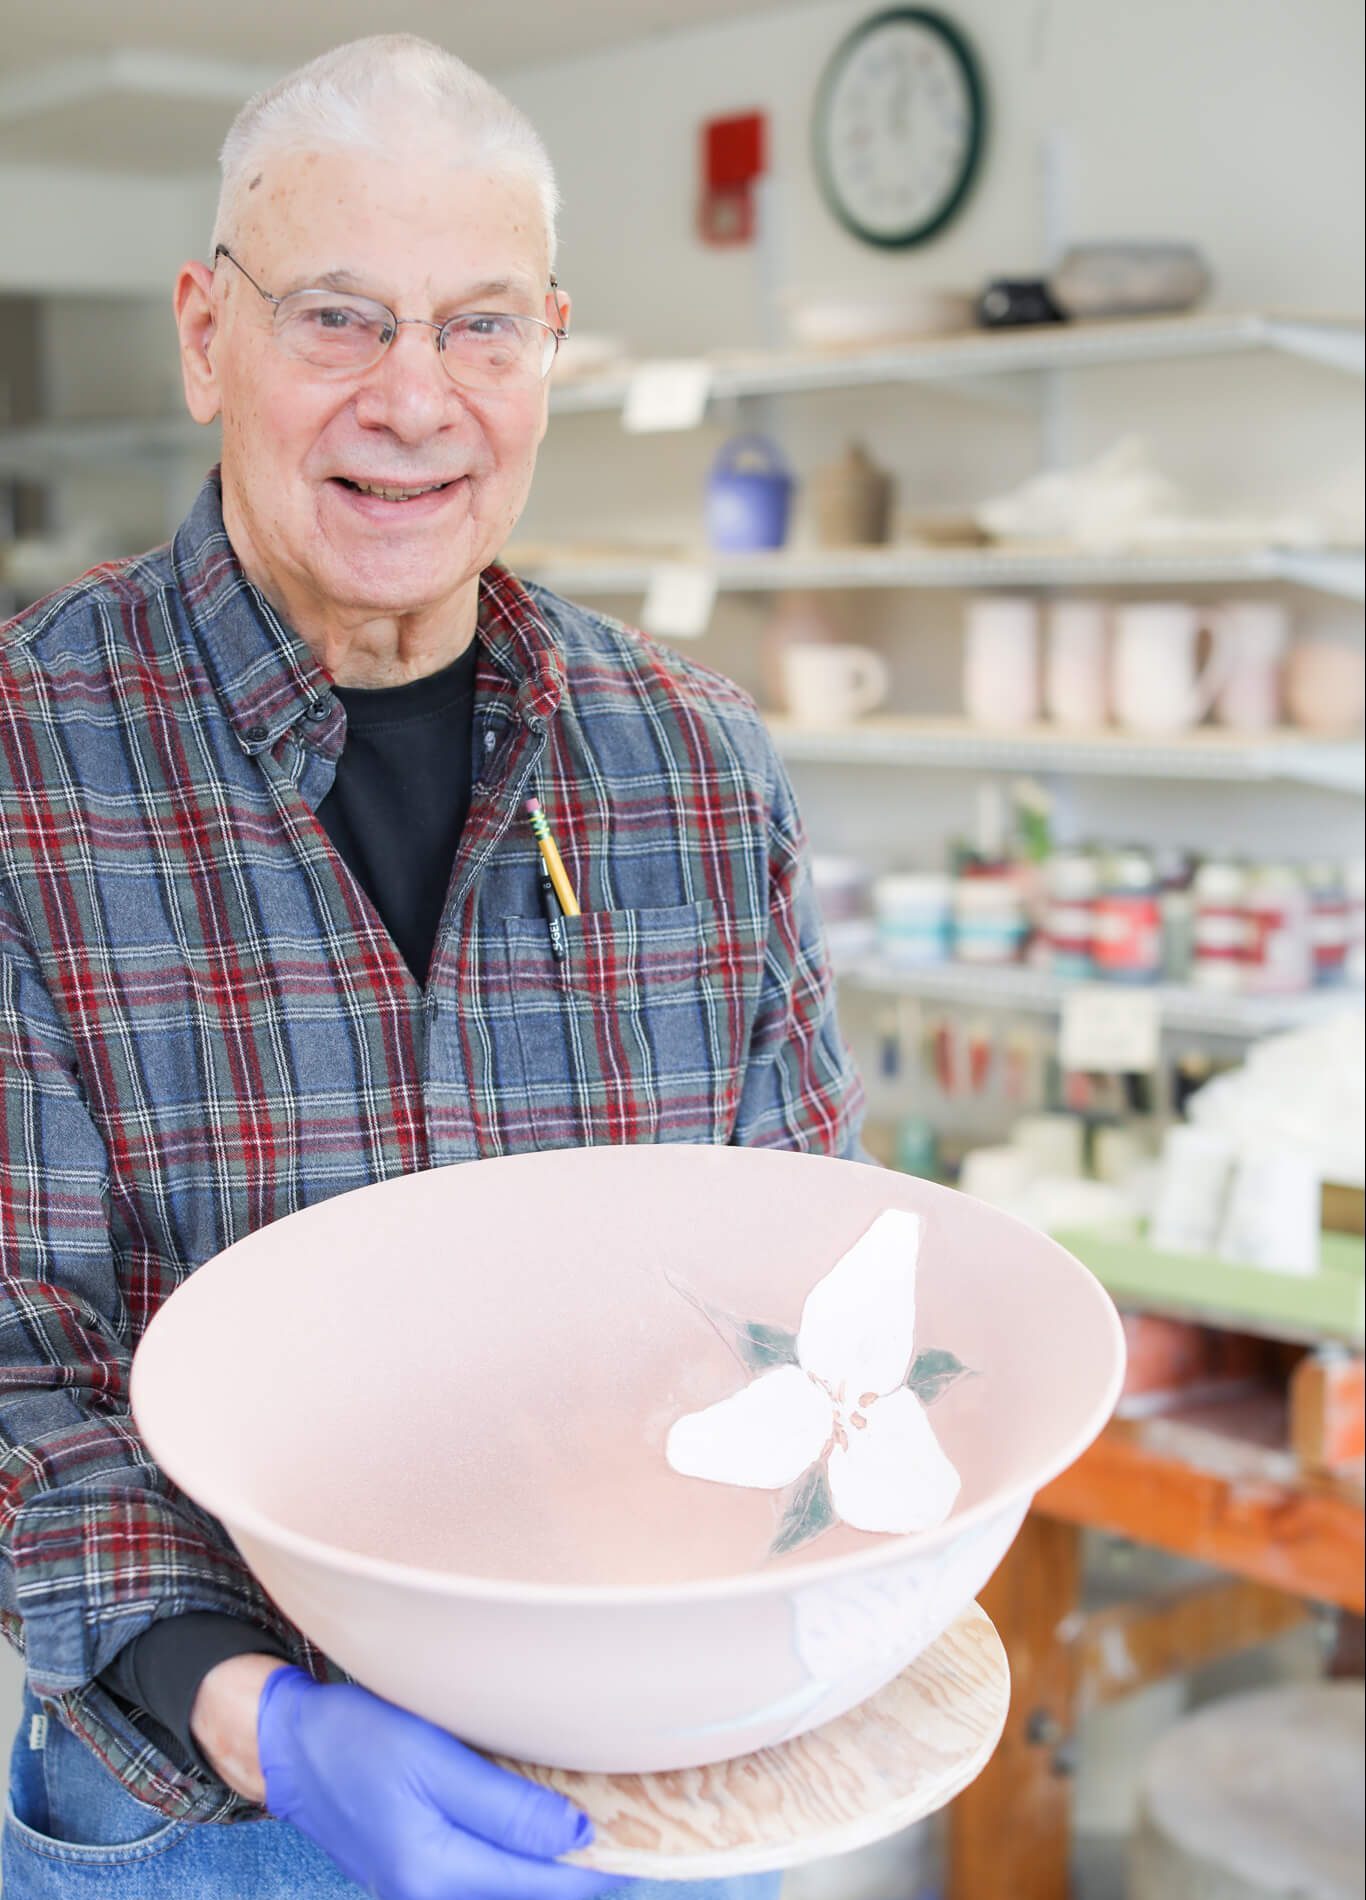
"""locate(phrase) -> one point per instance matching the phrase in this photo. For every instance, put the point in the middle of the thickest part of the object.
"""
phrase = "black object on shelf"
(1010, 302)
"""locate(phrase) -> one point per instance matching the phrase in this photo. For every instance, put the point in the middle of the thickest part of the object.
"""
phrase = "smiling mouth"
(385, 493)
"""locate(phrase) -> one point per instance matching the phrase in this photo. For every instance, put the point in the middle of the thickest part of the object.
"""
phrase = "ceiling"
(150, 87)
(491, 34)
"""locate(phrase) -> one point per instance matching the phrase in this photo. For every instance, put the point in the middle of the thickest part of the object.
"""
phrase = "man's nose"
(408, 390)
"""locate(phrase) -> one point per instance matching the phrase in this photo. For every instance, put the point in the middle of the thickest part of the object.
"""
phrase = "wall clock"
(898, 126)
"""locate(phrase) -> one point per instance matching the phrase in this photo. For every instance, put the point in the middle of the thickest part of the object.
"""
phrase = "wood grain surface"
(893, 1759)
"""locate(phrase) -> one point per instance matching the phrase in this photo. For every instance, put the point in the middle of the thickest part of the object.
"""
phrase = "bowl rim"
(462, 1586)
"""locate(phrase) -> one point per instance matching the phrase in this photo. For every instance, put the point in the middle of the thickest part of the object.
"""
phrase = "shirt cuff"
(161, 1670)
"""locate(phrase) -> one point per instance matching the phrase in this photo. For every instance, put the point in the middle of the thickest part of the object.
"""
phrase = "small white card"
(668, 395)
(1110, 1030)
(679, 601)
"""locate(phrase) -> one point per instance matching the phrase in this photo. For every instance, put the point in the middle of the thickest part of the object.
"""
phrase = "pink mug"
(1154, 679)
(1001, 661)
(1257, 633)
(1076, 685)
(1326, 687)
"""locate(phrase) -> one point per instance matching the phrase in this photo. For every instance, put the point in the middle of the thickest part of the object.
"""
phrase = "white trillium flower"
(844, 1402)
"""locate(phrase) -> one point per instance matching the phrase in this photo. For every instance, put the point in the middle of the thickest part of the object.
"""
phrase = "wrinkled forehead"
(417, 223)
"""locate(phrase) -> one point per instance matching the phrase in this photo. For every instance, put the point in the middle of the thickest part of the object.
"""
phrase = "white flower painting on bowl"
(836, 1412)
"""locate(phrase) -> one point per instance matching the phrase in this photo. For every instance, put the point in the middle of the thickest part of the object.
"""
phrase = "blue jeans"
(71, 1831)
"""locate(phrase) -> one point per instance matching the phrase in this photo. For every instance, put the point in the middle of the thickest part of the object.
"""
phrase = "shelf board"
(1015, 987)
(1336, 571)
(1304, 1308)
(954, 744)
(51, 447)
(1335, 342)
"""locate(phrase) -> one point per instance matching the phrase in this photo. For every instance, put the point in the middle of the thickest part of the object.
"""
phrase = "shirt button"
(318, 709)
(254, 735)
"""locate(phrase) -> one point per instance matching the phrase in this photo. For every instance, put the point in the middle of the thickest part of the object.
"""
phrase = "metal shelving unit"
(1201, 754)
(1015, 987)
(1337, 343)
(1336, 571)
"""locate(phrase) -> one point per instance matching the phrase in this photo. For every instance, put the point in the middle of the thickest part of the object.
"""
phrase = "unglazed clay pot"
(433, 1416)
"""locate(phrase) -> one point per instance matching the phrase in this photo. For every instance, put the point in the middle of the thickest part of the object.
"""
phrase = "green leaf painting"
(933, 1372)
(762, 1346)
(811, 1511)
(758, 1346)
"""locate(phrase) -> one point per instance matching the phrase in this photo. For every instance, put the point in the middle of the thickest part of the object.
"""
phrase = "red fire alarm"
(734, 154)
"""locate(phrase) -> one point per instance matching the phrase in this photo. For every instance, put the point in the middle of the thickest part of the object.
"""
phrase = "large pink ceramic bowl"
(432, 1414)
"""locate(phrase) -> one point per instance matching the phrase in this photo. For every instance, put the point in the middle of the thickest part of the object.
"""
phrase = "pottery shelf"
(1305, 1309)
(55, 448)
(1336, 571)
(955, 744)
(1333, 342)
(1015, 987)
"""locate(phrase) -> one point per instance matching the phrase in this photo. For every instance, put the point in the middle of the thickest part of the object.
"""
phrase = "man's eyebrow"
(350, 280)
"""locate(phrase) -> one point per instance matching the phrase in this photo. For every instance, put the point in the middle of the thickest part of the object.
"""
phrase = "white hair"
(380, 94)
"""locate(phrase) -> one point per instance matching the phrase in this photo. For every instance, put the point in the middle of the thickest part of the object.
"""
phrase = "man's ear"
(197, 322)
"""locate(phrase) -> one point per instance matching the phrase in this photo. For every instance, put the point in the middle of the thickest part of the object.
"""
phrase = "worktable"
(1214, 1483)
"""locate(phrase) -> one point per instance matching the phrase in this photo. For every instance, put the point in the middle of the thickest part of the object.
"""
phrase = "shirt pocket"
(635, 1034)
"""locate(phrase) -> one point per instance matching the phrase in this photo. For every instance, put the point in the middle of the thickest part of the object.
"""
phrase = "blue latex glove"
(407, 1811)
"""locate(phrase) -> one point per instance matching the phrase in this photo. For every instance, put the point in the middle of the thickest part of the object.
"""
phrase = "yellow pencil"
(550, 858)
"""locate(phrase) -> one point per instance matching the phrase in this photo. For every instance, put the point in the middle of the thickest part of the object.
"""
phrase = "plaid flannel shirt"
(205, 1026)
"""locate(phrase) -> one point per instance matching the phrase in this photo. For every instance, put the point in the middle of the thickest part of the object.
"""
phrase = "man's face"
(429, 238)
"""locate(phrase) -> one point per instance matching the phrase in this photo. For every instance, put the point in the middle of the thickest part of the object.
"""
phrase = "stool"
(1257, 1797)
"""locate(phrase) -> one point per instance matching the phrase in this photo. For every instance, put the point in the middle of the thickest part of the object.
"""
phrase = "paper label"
(679, 601)
(669, 395)
(1110, 1030)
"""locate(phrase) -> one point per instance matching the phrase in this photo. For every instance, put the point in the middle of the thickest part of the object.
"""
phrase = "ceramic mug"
(830, 685)
(1001, 661)
(1154, 681)
(1325, 687)
(1075, 670)
(1257, 633)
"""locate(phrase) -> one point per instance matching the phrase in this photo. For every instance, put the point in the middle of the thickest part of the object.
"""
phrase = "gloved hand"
(406, 1810)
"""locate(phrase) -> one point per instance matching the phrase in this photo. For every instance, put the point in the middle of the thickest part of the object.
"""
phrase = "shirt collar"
(266, 675)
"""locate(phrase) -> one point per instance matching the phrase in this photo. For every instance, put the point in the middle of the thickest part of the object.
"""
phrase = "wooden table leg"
(1010, 1832)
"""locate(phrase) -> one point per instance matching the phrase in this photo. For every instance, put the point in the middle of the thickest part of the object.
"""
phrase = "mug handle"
(869, 678)
(1215, 673)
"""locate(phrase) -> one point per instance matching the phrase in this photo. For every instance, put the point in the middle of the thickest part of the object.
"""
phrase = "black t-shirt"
(395, 813)
(399, 801)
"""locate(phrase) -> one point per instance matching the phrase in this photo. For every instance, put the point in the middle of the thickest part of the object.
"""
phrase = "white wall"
(1235, 124)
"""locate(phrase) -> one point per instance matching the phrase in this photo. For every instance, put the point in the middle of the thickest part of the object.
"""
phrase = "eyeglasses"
(479, 349)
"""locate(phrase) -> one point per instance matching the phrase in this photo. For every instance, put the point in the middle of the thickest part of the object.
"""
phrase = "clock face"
(899, 127)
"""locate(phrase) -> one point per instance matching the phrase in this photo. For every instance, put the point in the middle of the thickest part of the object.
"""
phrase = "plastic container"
(1221, 928)
(1072, 884)
(1280, 958)
(1354, 883)
(1329, 923)
(1128, 926)
(914, 917)
(990, 921)
(1175, 872)
(749, 496)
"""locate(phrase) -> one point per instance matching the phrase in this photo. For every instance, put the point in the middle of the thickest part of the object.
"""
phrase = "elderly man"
(268, 902)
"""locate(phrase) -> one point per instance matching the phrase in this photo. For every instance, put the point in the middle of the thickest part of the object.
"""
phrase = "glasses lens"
(497, 351)
(334, 332)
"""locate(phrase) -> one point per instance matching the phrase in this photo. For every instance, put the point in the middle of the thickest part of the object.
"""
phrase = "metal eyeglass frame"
(558, 331)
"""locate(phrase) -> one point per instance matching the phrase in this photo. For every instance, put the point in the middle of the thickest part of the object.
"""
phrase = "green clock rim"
(967, 60)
